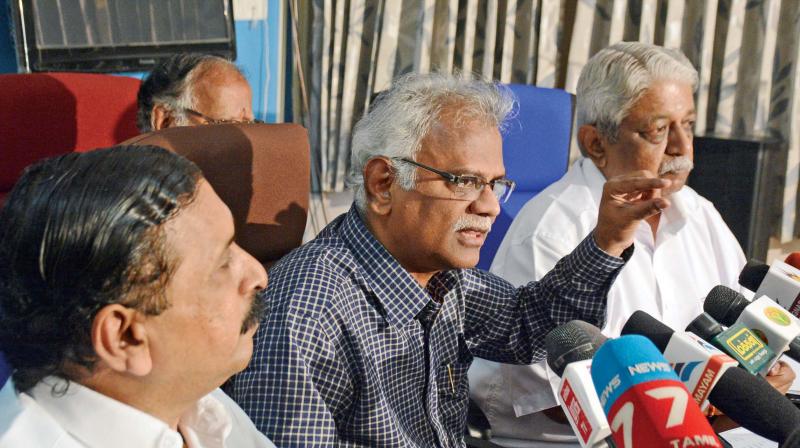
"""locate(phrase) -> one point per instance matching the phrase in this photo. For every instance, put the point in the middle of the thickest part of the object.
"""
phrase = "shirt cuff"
(593, 265)
(624, 256)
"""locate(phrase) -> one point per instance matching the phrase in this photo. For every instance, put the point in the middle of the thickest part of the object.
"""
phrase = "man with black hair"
(124, 304)
(191, 89)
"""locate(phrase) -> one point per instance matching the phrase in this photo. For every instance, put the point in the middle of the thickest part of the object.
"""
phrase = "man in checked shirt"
(374, 323)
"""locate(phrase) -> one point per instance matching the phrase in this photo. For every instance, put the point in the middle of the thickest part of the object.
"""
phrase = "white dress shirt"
(668, 278)
(83, 418)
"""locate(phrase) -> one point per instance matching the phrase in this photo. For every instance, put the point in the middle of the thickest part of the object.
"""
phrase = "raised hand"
(627, 199)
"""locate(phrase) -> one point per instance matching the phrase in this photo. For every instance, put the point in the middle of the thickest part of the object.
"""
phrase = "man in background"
(124, 304)
(635, 111)
(190, 89)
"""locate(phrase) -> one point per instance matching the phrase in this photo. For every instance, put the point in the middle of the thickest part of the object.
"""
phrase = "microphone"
(767, 319)
(793, 259)
(645, 402)
(780, 282)
(570, 348)
(737, 341)
(699, 365)
(747, 399)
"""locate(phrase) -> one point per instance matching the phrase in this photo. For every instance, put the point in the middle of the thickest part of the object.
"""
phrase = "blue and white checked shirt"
(347, 355)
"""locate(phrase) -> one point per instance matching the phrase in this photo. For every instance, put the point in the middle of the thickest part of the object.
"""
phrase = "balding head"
(190, 89)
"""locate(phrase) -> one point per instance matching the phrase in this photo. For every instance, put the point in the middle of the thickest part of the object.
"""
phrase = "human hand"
(627, 199)
(781, 377)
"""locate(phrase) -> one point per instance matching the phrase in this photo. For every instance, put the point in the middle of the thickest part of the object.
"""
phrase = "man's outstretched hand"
(627, 199)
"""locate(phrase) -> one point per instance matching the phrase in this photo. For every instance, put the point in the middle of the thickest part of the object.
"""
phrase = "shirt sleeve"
(508, 325)
(296, 385)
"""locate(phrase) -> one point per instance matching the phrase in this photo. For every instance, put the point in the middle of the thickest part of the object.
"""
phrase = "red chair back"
(47, 114)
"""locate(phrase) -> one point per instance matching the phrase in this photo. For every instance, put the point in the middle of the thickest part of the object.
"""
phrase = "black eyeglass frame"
(210, 120)
(455, 179)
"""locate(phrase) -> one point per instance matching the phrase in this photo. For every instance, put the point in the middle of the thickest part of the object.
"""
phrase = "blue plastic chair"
(535, 152)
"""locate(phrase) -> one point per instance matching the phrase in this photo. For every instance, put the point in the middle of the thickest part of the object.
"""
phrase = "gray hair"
(170, 84)
(616, 77)
(401, 117)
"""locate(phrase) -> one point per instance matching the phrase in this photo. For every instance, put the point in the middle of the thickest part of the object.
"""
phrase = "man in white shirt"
(124, 304)
(635, 111)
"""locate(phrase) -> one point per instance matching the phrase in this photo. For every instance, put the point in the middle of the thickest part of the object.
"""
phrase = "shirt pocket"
(451, 374)
(453, 389)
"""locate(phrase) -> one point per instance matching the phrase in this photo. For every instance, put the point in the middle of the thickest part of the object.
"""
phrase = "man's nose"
(680, 141)
(486, 204)
(255, 275)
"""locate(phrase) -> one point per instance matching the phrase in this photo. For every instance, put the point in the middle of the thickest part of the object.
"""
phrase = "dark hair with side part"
(78, 232)
(168, 83)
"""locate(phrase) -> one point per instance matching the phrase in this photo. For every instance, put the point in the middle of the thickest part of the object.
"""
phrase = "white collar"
(99, 421)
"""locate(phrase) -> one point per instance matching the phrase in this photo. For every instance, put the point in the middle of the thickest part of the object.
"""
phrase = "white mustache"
(480, 223)
(675, 165)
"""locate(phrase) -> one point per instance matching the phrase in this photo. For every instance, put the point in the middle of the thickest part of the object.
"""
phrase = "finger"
(780, 368)
(648, 208)
(631, 185)
(637, 173)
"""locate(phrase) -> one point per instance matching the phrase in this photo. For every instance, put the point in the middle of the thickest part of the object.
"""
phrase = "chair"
(261, 171)
(46, 114)
(535, 152)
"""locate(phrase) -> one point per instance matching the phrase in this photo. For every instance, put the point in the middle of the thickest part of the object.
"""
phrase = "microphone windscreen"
(724, 304)
(750, 401)
(753, 274)
(705, 326)
(646, 325)
(574, 341)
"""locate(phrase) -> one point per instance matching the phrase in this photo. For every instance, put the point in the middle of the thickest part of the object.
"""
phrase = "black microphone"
(570, 348)
(747, 399)
(573, 341)
(753, 274)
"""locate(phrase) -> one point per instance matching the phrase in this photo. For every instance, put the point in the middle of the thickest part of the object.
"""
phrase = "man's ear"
(161, 117)
(378, 179)
(120, 340)
(593, 144)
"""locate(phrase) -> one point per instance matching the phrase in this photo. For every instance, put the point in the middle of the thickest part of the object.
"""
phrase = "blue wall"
(8, 56)
(258, 48)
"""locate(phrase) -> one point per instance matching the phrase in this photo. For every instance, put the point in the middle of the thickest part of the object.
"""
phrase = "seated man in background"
(374, 323)
(125, 304)
(190, 89)
(635, 111)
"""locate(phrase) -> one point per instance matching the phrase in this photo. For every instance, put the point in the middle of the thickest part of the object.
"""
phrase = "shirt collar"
(400, 294)
(99, 421)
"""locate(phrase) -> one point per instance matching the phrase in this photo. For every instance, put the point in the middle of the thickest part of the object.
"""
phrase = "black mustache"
(258, 309)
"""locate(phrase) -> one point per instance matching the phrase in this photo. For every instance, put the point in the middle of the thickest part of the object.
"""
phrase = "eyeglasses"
(209, 120)
(467, 186)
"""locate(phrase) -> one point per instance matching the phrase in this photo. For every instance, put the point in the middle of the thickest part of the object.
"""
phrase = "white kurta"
(668, 278)
(83, 418)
